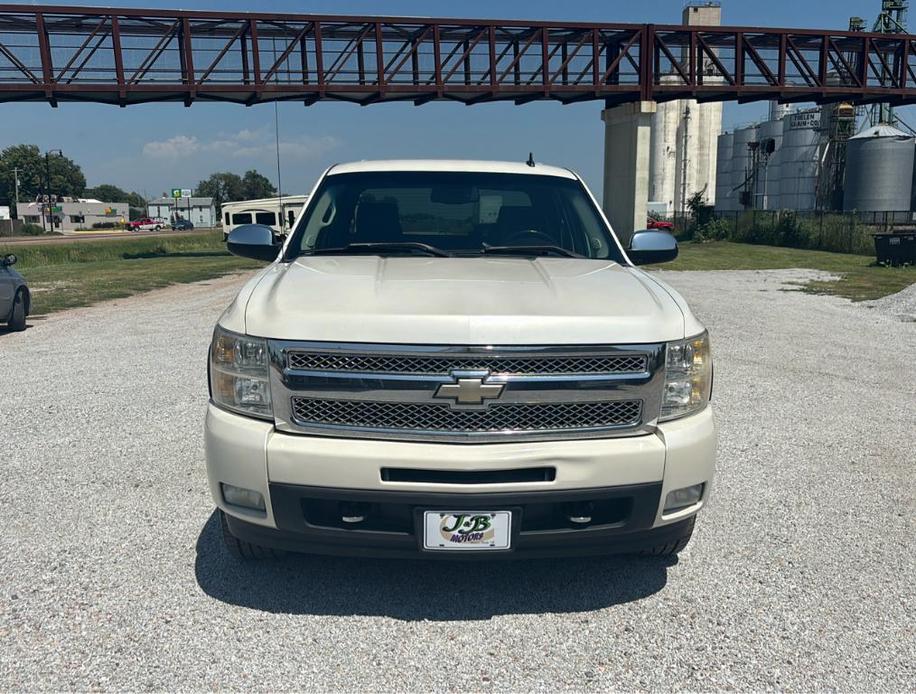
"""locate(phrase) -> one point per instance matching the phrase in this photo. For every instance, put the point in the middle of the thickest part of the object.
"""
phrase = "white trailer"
(279, 214)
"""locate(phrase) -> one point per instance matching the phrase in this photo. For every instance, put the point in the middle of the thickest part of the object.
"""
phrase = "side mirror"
(253, 241)
(648, 246)
(8, 260)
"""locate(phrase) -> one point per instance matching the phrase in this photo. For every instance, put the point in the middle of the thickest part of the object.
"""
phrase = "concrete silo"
(879, 170)
(663, 155)
(683, 158)
(799, 160)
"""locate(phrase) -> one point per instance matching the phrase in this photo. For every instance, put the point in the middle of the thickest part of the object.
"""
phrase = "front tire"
(18, 314)
(240, 549)
(672, 549)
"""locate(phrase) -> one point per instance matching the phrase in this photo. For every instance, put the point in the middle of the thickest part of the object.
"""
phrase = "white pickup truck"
(457, 359)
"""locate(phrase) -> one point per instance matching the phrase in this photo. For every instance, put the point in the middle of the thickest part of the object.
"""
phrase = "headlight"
(688, 377)
(240, 374)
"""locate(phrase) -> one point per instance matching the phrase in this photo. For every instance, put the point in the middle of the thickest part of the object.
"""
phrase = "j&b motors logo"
(463, 528)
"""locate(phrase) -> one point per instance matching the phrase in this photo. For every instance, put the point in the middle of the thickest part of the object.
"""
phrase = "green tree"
(257, 185)
(136, 200)
(106, 192)
(222, 187)
(66, 176)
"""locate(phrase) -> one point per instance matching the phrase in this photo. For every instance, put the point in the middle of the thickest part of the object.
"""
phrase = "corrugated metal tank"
(768, 186)
(879, 170)
(798, 161)
(725, 198)
(742, 162)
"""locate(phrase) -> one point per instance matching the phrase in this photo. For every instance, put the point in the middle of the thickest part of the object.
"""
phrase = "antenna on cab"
(530, 161)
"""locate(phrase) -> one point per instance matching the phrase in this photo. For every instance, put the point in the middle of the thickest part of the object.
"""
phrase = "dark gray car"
(14, 295)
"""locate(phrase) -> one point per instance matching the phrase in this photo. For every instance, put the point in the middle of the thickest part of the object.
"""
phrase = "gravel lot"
(800, 576)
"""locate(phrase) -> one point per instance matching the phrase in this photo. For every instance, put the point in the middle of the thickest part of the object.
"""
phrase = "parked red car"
(661, 224)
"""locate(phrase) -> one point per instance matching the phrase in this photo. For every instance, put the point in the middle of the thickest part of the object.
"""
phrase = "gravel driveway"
(800, 576)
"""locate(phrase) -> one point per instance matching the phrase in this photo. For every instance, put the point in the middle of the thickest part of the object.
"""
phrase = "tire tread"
(17, 323)
(245, 550)
(671, 549)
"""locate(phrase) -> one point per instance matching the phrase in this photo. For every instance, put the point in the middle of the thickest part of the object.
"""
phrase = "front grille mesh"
(410, 364)
(441, 418)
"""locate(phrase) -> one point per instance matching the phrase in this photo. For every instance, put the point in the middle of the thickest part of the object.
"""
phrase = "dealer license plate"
(466, 530)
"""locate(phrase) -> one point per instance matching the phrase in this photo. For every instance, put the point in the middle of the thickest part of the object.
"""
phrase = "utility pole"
(16, 181)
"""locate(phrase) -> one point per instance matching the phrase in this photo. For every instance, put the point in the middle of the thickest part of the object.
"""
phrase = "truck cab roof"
(451, 165)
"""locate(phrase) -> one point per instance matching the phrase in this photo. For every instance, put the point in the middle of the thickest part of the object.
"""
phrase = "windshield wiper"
(382, 247)
(529, 250)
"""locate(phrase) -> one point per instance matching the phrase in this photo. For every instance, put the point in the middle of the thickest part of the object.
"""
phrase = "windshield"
(444, 213)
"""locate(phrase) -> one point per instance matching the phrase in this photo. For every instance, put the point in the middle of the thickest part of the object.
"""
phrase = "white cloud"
(173, 148)
(301, 149)
(245, 144)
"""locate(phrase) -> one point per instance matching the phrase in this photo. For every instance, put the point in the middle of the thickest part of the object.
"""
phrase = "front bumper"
(304, 480)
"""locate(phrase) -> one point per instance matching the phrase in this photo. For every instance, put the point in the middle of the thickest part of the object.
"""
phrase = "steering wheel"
(530, 237)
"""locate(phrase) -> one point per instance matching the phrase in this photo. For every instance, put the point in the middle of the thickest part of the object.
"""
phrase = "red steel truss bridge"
(130, 56)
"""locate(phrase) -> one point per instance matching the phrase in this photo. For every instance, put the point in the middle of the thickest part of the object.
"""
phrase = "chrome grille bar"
(440, 418)
(415, 364)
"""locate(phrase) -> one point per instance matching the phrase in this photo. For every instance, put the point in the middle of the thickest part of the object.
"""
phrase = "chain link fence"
(840, 232)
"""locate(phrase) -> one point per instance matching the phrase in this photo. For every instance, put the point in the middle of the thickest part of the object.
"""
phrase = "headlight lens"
(688, 377)
(240, 374)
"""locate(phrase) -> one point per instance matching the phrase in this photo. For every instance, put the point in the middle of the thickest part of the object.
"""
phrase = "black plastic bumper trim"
(294, 533)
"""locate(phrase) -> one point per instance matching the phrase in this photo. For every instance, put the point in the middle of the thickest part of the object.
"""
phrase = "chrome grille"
(433, 417)
(394, 391)
(414, 364)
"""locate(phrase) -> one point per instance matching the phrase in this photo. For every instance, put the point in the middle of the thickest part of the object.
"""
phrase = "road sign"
(176, 192)
(185, 192)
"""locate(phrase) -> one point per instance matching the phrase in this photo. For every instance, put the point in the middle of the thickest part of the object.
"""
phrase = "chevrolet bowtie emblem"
(469, 391)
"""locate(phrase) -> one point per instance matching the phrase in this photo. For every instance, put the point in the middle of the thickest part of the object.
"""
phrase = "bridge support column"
(627, 144)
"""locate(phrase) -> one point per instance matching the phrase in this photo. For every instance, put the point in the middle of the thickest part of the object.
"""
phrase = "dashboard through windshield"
(453, 214)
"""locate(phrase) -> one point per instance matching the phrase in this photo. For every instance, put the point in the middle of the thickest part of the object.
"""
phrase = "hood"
(475, 301)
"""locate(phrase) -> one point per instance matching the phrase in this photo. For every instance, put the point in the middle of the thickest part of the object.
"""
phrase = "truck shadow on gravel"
(422, 590)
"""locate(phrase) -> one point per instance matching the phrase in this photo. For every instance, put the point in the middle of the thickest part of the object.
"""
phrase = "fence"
(10, 227)
(840, 232)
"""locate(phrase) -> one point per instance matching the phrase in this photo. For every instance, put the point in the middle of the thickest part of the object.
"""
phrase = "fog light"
(246, 498)
(682, 498)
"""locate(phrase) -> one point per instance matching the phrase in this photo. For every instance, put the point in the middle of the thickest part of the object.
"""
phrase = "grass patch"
(859, 277)
(79, 273)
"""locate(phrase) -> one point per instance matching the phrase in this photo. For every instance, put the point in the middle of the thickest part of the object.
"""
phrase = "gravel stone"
(901, 305)
(799, 577)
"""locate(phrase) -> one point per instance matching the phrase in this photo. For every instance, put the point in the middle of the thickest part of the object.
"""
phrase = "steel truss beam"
(130, 56)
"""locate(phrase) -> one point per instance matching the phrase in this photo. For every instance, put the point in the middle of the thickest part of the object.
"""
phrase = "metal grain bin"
(799, 160)
(725, 196)
(879, 170)
(769, 182)
(742, 168)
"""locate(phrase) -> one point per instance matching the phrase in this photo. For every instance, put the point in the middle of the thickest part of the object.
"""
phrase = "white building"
(70, 214)
(200, 211)
(684, 133)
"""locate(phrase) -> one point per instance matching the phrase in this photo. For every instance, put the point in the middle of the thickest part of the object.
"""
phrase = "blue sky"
(151, 148)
